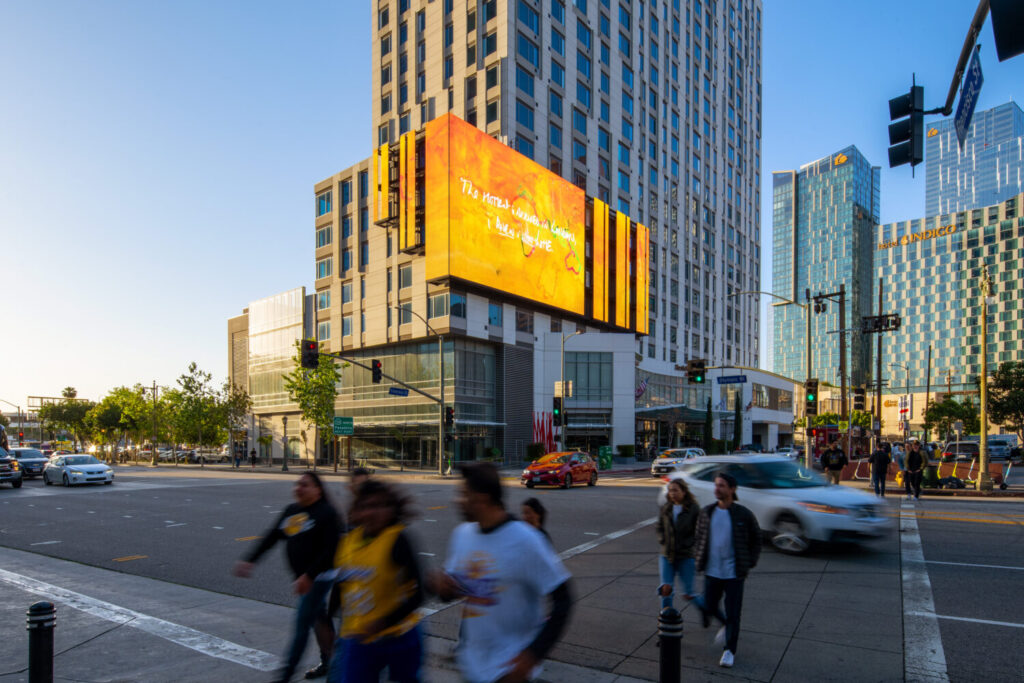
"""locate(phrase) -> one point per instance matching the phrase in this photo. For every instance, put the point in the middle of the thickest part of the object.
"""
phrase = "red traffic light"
(310, 356)
(377, 371)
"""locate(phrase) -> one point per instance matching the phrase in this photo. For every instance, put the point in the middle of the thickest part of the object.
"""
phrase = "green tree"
(941, 415)
(823, 419)
(71, 416)
(5, 421)
(69, 392)
(737, 431)
(104, 423)
(197, 416)
(1006, 397)
(314, 391)
(861, 418)
(235, 404)
(708, 424)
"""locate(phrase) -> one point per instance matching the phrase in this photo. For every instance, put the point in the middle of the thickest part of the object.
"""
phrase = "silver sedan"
(76, 469)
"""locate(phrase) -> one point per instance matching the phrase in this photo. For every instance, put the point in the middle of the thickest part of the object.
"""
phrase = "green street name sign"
(343, 426)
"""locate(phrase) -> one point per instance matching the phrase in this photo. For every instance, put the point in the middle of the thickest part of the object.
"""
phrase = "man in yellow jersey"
(381, 590)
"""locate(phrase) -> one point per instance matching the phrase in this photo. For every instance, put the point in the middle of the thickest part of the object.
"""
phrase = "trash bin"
(604, 458)
(930, 479)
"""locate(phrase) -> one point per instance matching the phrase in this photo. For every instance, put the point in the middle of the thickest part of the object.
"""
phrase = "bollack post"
(670, 641)
(42, 618)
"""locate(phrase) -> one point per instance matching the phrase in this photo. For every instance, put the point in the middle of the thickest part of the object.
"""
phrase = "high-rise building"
(823, 223)
(987, 170)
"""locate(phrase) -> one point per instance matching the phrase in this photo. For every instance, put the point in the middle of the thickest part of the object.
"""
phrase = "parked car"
(794, 506)
(565, 469)
(10, 469)
(32, 461)
(77, 469)
(671, 459)
(962, 450)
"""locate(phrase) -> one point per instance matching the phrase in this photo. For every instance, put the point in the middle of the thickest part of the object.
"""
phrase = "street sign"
(343, 426)
(876, 425)
(968, 97)
(733, 379)
(871, 324)
(398, 391)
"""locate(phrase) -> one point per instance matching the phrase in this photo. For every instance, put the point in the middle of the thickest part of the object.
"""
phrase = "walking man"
(834, 460)
(504, 569)
(727, 546)
(915, 463)
(252, 460)
(880, 460)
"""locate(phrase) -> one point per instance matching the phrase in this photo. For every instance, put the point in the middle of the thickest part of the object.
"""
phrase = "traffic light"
(449, 417)
(21, 437)
(906, 135)
(378, 372)
(859, 399)
(695, 370)
(556, 410)
(310, 354)
(811, 397)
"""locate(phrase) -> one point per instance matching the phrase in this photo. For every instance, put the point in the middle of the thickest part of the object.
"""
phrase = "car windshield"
(554, 459)
(81, 460)
(29, 454)
(786, 474)
(672, 454)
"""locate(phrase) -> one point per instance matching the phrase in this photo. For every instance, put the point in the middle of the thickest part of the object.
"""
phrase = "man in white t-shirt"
(503, 569)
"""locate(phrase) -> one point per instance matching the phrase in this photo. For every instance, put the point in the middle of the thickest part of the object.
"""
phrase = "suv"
(671, 459)
(961, 450)
(10, 469)
(32, 461)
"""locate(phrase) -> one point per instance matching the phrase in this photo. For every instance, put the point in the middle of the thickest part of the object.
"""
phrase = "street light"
(565, 417)
(984, 481)
(440, 412)
(284, 456)
(906, 432)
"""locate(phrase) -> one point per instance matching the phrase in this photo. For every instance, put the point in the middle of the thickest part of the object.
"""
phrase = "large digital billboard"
(497, 219)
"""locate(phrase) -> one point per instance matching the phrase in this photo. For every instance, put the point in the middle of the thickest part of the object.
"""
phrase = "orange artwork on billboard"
(498, 219)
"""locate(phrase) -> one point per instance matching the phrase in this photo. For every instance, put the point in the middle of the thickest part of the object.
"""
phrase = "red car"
(561, 469)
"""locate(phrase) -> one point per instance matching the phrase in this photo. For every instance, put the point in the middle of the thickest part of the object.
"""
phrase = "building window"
(491, 77)
(346, 292)
(471, 55)
(362, 288)
(557, 42)
(449, 35)
(437, 306)
(323, 330)
(382, 18)
(494, 312)
(524, 115)
(524, 322)
(346, 326)
(364, 184)
(590, 374)
(385, 74)
(346, 192)
(385, 45)
(364, 254)
(492, 111)
(528, 50)
(346, 260)
(528, 16)
(555, 103)
(557, 73)
(555, 136)
(405, 313)
(385, 104)
(346, 227)
(323, 203)
(524, 80)
(583, 33)
(583, 64)
(490, 43)
(449, 67)
(525, 147)
(458, 305)
(323, 300)
(583, 94)
(405, 276)
(364, 219)
(579, 151)
(579, 121)
(323, 268)
(323, 236)
(558, 11)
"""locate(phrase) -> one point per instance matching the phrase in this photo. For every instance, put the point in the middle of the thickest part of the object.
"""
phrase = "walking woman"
(535, 514)
(381, 589)
(676, 525)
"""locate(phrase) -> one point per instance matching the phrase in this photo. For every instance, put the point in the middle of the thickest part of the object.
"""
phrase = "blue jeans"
(356, 662)
(878, 482)
(311, 608)
(684, 569)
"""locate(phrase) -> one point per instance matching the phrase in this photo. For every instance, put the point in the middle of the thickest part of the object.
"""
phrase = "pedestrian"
(252, 460)
(238, 457)
(726, 548)
(897, 455)
(879, 460)
(833, 460)
(914, 473)
(381, 589)
(504, 571)
(676, 526)
(535, 514)
(310, 528)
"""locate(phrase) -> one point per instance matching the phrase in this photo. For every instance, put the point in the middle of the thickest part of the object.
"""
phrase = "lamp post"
(440, 412)
(984, 481)
(284, 438)
(565, 416)
(906, 432)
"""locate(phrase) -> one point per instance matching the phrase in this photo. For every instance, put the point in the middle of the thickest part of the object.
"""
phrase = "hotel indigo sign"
(919, 236)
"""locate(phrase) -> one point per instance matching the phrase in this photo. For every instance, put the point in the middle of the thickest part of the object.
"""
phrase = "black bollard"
(42, 618)
(670, 642)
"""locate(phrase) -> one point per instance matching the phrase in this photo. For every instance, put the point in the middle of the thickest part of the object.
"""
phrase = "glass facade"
(823, 219)
(275, 324)
(987, 170)
(931, 272)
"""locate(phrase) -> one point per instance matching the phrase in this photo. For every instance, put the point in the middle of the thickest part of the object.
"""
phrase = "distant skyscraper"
(823, 222)
(988, 170)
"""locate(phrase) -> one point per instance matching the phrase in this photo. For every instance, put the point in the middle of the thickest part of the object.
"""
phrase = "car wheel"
(593, 479)
(567, 484)
(788, 535)
(108, 483)
(529, 484)
(67, 482)
(46, 480)
(17, 484)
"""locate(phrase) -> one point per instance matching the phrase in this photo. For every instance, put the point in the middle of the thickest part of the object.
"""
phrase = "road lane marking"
(924, 658)
(174, 525)
(429, 520)
(934, 518)
(591, 533)
(987, 622)
(983, 566)
(175, 633)
(44, 543)
(247, 538)
(218, 527)
(427, 554)
(438, 507)
(129, 558)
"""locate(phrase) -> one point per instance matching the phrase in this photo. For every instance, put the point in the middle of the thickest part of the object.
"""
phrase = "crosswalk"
(119, 486)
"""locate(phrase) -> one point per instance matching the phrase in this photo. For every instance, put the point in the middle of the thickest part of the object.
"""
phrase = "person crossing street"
(915, 462)
(880, 460)
(833, 460)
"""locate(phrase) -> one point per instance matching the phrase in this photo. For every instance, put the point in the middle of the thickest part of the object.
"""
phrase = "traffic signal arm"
(399, 382)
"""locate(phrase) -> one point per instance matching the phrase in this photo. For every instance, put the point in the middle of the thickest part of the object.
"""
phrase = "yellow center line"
(129, 558)
(247, 538)
(969, 519)
(438, 507)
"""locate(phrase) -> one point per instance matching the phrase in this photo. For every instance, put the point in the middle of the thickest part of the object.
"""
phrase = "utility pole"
(927, 391)
(842, 353)
(984, 480)
(152, 447)
(878, 374)
(284, 438)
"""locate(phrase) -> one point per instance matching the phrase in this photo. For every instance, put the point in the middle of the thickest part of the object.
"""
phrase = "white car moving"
(793, 505)
(672, 459)
(76, 469)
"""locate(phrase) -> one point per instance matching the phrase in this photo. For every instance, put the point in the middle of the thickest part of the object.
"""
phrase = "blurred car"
(752, 448)
(76, 469)
(963, 451)
(671, 459)
(564, 469)
(794, 506)
(32, 461)
(998, 450)
(10, 469)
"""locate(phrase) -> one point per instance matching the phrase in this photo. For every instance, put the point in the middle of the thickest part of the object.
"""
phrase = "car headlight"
(15, 465)
(825, 509)
(74, 471)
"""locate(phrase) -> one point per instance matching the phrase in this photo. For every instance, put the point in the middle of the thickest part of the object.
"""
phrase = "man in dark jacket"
(833, 461)
(727, 546)
(915, 463)
(879, 460)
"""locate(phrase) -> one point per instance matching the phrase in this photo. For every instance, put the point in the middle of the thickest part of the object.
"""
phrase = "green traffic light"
(810, 397)
(699, 379)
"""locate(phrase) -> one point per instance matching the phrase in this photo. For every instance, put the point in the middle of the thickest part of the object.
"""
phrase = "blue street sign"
(733, 379)
(968, 97)
(398, 391)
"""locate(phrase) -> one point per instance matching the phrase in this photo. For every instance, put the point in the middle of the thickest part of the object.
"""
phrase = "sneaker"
(720, 637)
(910, 498)
(726, 660)
(318, 671)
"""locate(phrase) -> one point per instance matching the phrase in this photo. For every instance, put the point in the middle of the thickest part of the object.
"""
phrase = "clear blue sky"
(157, 160)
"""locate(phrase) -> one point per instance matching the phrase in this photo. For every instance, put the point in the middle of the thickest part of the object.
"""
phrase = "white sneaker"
(720, 637)
(726, 660)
